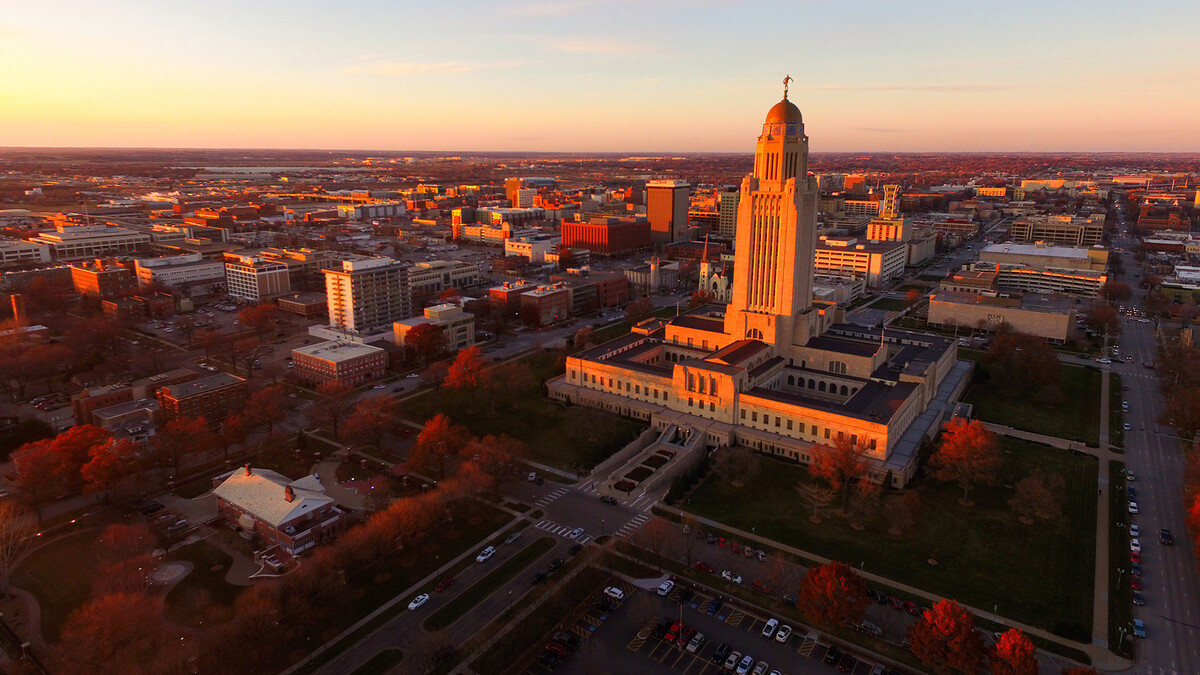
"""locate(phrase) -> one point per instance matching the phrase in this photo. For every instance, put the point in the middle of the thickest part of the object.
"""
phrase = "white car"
(769, 629)
(1135, 546)
(380, 386)
(418, 601)
(1133, 507)
(730, 576)
(576, 533)
(485, 554)
(1134, 531)
(614, 593)
(783, 634)
(666, 587)
(1104, 360)
(1130, 477)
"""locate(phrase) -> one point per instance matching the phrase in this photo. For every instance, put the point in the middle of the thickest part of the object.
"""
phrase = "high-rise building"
(889, 225)
(667, 210)
(727, 208)
(367, 295)
(256, 279)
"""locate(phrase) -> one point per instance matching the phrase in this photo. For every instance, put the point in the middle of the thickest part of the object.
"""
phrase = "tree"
(116, 633)
(186, 327)
(1024, 364)
(332, 407)
(17, 527)
(46, 466)
(817, 497)
(840, 464)
(700, 298)
(1014, 654)
(373, 419)
(467, 371)
(438, 441)
(653, 536)
(944, 638)
(738, 465)
(864, 501)
(109, 465)
(181, 437)
(902, 512)
(1157, 303)
(832, 594)
(639, 309)
(913, 296)
(968, 455)
(1037, 495)
(267, 407)
(1103, 319)
(583, 337)
(1115, 291)
(496, 457)
(261, 318)
(425, 342)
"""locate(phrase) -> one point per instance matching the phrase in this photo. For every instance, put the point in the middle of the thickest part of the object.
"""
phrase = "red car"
(721, 542)
(1135, 582)
(896, 603)
(685, 635)
(760, 587)
(704, 567)
(735, 547)
(673, 632)
(444, 584)
(912, 608)
(1135, 556)
(556, 649)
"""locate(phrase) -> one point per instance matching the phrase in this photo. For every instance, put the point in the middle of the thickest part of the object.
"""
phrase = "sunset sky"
(600, 75)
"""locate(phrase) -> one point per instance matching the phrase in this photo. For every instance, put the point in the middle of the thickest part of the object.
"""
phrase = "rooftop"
(261, 493)
(337, 350)
(204, 384)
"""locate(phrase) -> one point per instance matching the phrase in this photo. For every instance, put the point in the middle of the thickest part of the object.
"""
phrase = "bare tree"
(17, 526)
(653, 537)
(816, 497)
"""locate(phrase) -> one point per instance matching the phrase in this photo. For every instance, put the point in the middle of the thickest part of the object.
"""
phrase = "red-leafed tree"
(425, 342)
(116, 633)
(468, 369)
(182, 437)
(1014, 654)
(968, 455)
(638, 309)
(840, 464)
(437, 443)
(373, 419)
(944, 639)
(109, 466)
(496, 457)
(261, 318)
(832, 594)
(267, 407)
(38, 471)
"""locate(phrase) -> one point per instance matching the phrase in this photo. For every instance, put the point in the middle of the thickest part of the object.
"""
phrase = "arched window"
(844, 390)
(812, 384)
(754, 334)
(821, 387)
(791, 380)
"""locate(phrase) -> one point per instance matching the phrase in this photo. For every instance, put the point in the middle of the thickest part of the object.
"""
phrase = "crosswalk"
(558, 492)
(633, 525)
(561, 530)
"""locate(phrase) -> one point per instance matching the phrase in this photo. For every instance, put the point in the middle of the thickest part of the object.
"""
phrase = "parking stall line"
(735, 618)
(635, 644)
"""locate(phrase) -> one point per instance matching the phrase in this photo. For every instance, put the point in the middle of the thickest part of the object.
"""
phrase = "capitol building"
(773, 370)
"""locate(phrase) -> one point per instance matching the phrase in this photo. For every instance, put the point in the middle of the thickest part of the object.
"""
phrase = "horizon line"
(27, 148)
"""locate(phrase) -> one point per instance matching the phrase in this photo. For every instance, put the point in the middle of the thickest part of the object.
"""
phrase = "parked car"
(696, 643)
(730, 576)
(660, 630)
(575, 549)
(666, 587)
(732, 660)
(721, 654)
(783, 634)
(614, 593)
(769, 627)
(1139, 628)
(743, 666)
(704, 567)
(673, 632)
(1138, 598)
(833, 655)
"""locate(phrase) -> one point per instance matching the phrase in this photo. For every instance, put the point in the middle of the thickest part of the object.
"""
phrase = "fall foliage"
(437, 443)
(840, 464)
(968, 455)
(1037, 496)
(1014, 654)
(944, 639)
(373, 420)
(832, 593)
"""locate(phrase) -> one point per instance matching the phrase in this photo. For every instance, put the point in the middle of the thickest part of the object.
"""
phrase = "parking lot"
(629, 643)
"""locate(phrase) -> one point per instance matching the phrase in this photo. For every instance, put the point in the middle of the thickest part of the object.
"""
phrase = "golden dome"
(784, 111)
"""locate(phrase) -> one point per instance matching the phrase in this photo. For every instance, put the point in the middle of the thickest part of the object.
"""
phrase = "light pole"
(995, 611)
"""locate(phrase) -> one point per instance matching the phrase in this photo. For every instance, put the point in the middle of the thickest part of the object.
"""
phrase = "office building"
(456, 325)
(336, 362)
(214, 398)
(879, 261)
(1038, 268)
(255, 279)
(667, 210)
(607, 235)
(1064, 230)
(103, 278)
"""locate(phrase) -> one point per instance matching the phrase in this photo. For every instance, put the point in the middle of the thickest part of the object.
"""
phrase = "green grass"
(1075, 416)
(571, 438)
(1039, 574)
(59, 575)
(1120, 593)
(1116, 418)
(381, 663)
(889, 304)
(195, 488)
(203, 587)
(465, 601)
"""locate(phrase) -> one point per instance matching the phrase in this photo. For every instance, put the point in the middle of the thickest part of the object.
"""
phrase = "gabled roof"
(261, 494)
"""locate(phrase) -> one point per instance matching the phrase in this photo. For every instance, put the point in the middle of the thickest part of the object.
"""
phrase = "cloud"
(601, 46)
(375, 66)
(880, 130)
(953, 87)
(546, 8)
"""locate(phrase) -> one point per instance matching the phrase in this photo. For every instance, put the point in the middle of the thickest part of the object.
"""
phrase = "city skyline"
(585, 76)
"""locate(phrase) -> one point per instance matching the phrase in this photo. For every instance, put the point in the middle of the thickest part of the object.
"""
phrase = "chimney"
(289, 494)
(247, 469)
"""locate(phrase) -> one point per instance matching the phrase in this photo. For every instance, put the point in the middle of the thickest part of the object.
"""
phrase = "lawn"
(571, 438)
(890, 304)
(1076, 416)
(203, 587)
(1039, 574)
(1116, 418)
(59, 575)
(463, 602)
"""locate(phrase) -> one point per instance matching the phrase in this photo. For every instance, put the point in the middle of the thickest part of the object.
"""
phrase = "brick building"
(214, 398)
(346, 363)
(294, 515)
(607, 236)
